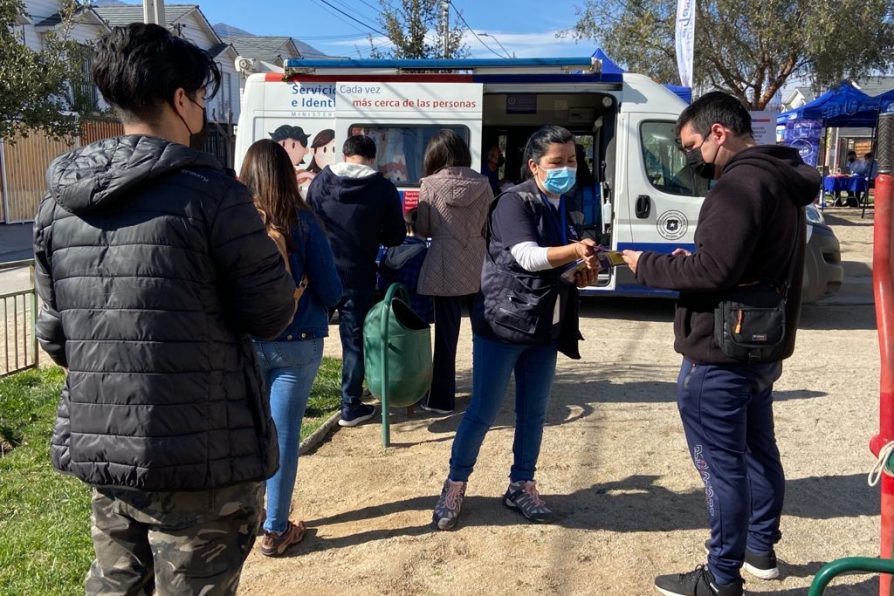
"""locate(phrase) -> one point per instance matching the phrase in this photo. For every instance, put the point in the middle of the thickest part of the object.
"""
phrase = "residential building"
(188, 21)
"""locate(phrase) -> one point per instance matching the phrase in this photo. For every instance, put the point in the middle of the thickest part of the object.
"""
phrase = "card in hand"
(608, 258)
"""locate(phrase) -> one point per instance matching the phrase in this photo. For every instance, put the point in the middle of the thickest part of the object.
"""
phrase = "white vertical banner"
(685, 39)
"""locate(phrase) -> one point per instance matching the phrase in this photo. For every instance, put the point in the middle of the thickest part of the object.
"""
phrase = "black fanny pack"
(749, 323)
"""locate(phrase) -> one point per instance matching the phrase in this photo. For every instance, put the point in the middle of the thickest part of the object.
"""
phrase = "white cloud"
(527, 45)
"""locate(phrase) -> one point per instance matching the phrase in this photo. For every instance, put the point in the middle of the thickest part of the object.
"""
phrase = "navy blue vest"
(515, 304)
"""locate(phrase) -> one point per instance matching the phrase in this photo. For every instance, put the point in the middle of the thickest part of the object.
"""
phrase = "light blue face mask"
(559, 180)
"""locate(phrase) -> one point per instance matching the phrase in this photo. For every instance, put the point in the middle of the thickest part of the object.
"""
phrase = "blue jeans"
(727, 413)
(493, 361)
(289, 368)
(352, 311)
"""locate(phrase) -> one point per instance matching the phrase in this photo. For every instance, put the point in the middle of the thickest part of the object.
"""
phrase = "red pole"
(883, 288)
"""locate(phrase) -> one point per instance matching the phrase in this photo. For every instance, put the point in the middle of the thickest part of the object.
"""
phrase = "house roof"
(807, 93)
(220, 48)
(84, 12)
(264, 47)
(125, 15)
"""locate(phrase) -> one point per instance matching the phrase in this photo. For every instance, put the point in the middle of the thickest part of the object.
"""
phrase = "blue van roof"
(443, 64)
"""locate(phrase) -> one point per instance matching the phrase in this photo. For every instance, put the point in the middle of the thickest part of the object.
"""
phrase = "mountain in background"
(223, 29)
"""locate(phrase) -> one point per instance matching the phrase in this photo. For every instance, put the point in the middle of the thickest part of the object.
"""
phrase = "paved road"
(15, 242)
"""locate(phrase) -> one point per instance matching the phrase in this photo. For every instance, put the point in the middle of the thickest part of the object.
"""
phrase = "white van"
(646, 198)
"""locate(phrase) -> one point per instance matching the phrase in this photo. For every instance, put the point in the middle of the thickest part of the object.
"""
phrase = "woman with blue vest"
(525, 313)
(290, 362)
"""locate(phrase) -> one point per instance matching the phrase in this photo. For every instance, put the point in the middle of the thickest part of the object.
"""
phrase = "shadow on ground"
(627, 309)
(839, 317)
(634, 504)
(864, 588)
(835, 220)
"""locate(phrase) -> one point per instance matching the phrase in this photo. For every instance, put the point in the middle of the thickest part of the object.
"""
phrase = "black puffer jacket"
(154, 268)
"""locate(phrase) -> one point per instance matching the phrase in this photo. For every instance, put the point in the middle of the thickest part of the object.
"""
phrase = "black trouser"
(448, 315)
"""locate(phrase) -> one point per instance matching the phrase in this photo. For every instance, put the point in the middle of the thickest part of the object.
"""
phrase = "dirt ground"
(614, 467)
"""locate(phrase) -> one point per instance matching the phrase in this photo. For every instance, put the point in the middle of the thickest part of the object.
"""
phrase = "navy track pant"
(727, 414)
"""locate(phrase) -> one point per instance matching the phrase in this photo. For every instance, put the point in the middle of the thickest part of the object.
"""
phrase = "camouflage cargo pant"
(173, 542)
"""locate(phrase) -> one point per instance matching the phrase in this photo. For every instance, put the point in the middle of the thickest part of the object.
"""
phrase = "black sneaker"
(698, 582)
(760, 565)
(355, 414)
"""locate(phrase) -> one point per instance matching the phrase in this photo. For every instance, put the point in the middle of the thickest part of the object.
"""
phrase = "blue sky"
(525, 27)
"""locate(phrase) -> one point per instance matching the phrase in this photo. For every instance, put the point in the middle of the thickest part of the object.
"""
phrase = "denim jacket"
(313, 258)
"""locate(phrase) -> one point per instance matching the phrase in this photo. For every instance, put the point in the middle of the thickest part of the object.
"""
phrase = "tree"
(39, 89)
(744, 47)
(415, 29)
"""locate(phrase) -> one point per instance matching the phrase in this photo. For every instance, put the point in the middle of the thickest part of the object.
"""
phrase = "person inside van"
(525, 313)
(493, 161)
(584, 208)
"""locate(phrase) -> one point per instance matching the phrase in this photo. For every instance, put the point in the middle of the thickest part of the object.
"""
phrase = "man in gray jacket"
(154, 269)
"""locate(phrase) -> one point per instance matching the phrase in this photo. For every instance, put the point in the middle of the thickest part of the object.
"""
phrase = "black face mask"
(197, 139)
(698, 164)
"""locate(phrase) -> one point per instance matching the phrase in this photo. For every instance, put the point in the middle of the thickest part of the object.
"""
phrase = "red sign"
(411, 199)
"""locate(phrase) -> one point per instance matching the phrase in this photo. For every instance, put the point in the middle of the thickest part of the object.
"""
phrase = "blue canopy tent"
(842, 106)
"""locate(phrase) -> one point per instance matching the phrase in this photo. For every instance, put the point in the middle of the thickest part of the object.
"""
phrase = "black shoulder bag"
(749, 323)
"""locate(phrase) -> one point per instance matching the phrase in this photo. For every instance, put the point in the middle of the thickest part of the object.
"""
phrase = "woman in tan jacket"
(453, 205)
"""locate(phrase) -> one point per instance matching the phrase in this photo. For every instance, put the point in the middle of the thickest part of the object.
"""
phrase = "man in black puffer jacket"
(154, 269)
(751, 230)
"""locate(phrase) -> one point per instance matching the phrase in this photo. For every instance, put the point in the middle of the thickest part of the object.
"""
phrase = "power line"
(373, 29)
(472, 31)
(375, 8)
(346, 6)
(341, 18)
(346, 36)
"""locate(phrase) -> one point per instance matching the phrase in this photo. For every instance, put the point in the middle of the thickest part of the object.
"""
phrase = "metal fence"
(19, 308)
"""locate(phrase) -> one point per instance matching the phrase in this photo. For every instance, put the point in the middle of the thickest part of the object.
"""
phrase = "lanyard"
(563, 230)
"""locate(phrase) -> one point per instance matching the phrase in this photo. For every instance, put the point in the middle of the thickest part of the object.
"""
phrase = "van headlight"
(814, 215)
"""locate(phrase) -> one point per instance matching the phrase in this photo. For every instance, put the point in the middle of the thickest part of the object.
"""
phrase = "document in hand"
(608, 258)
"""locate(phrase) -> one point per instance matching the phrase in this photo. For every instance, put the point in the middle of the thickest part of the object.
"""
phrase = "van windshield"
(665, 164)
(401, 148)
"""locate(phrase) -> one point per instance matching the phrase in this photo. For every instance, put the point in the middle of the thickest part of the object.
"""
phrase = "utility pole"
(154, 12)
(445, 23)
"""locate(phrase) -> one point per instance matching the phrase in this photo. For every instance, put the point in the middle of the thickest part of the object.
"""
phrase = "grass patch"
(325, 397)
(45, 545)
